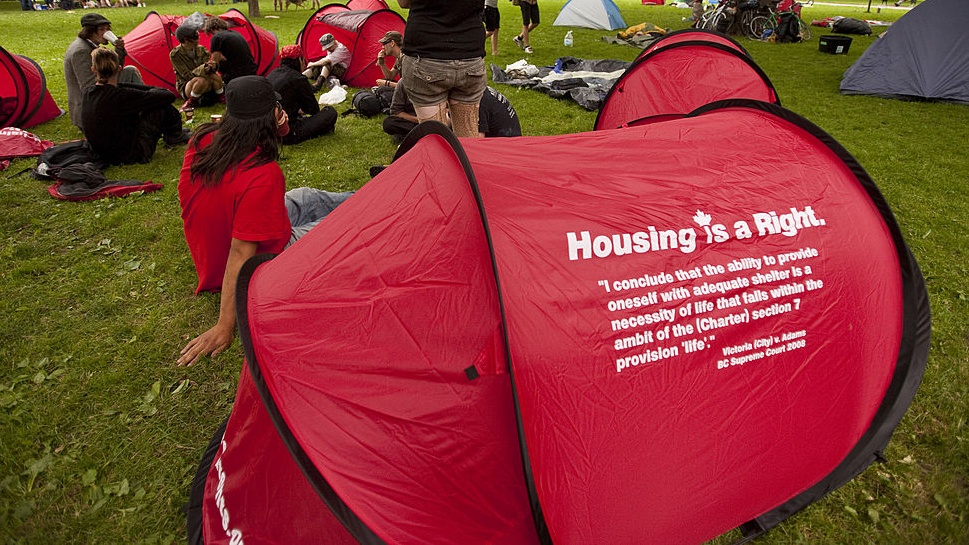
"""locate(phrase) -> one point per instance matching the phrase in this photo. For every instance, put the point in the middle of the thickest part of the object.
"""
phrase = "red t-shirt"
(247, 204)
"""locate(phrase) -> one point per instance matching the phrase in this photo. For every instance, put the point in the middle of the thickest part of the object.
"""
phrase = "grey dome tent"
(924, 56)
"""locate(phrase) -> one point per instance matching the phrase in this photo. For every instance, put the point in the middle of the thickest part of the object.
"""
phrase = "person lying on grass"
(234, 201)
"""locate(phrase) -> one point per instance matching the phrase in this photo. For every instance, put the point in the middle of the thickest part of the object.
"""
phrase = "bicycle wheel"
(758, 25)
(804, 30)
(709, 20)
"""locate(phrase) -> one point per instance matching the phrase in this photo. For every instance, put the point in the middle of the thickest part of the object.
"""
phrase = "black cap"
(186, 33)
(250, 97)
(94, 19)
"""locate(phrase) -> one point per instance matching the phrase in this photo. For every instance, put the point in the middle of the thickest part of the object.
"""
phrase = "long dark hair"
(236, 143)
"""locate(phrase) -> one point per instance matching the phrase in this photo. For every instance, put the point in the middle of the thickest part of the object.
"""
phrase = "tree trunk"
(253, 9)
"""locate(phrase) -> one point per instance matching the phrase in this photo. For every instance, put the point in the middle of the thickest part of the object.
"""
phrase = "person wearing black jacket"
(123, 122)
(306, 119)
(229, 49)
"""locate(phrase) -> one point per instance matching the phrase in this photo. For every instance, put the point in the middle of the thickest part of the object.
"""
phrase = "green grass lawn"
(100, 431)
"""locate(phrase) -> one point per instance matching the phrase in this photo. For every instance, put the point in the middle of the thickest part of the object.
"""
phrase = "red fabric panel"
(13, 90)
(683, 427)
(679, 79)
(254, 492)
(691, 35)
(363, 72)
(48, 110)
(371, 5)
(364, 331)
(148, 46)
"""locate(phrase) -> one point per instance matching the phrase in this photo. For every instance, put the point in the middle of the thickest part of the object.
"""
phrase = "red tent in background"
(692, 34)
(358, 29)
(372, 5)
(679, 73)
(464, 352)
(24, 98)
(149, 44)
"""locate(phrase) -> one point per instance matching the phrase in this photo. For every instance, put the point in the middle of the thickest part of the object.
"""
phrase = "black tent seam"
(196, 495)
(356, 527)
(43, 90)
(15, 117)
(428, 128)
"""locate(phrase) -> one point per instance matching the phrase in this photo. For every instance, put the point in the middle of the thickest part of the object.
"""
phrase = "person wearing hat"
(443, 62)
(229, 50)
(234, 201)
(306, 119)
(123, 122)
(95, 32)
(196, 77)
(390, 46)
(331, 67)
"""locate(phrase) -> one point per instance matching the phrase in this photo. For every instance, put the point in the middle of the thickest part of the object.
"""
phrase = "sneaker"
(528, 49)
(181, 138)
(377, 169)
(518, 41)
(189, 104)
(317, 85)
(333, 82)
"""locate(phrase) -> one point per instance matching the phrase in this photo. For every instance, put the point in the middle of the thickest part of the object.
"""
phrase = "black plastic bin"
(836, 45)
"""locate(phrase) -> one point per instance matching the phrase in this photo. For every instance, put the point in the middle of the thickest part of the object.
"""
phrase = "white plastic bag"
(335, 95)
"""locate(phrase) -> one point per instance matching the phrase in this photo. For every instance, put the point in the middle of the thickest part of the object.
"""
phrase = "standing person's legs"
(530, 19)
(306, 207)
(465, 98)
(433, 85)
(492, 21)
(428, 82)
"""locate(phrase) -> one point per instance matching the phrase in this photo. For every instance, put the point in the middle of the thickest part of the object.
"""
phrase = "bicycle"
(768, 21)
(712, 17)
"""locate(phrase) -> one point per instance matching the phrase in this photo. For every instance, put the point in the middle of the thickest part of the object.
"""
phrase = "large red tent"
(149, 44)
(648, 348)
(357, 27)
(680, 72)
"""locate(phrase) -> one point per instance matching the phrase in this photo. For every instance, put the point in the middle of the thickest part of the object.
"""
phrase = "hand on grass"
(210, 343)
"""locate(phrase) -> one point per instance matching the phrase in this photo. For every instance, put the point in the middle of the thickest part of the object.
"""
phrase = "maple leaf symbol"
(701, 219)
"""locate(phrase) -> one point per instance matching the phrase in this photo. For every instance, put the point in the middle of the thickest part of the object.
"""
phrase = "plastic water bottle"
(568, 39)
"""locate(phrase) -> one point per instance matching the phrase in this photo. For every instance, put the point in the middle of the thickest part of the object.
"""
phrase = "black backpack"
(370, 102)
(366, 103)
(788, 29)
(75, 155)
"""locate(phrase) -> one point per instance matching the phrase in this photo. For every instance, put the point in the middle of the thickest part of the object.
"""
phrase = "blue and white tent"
(598, 14)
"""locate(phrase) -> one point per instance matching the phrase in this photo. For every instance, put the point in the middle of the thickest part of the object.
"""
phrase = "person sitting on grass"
(123, 121)
(234, 201)
(196, 76)
(390, 46)
(229, 50)
(331, 67)
(306, 118)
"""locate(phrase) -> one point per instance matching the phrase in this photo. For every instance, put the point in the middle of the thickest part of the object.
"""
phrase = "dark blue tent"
(925, 56)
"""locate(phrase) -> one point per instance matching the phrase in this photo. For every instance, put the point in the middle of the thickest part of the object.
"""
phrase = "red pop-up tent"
(680, 72)
(149, 44)
(357, 28)
(632, 347)
(24, 98)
